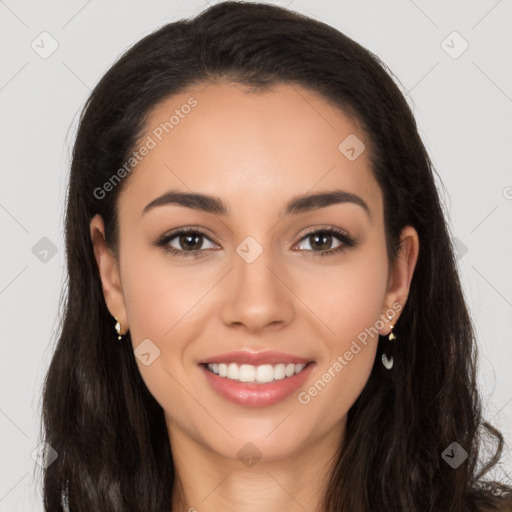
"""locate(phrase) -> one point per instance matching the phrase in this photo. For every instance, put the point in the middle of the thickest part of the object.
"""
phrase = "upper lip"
(255, 358)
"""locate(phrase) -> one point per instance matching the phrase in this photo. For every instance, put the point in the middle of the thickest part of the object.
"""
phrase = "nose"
(257, 295)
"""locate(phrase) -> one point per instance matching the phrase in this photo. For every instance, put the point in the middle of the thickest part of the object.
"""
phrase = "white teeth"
(246, 373)
(279, 371)
(265, 373)
(299, 367)
(223, 370)
(249, 373)
(232, 371)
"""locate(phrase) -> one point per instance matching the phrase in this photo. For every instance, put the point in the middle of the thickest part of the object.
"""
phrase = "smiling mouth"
(260, 374)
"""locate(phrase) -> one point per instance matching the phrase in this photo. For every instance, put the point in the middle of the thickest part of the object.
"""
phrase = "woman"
(263, 307)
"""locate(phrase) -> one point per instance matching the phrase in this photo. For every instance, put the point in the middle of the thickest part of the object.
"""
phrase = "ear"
(109, 273)
(401, 273)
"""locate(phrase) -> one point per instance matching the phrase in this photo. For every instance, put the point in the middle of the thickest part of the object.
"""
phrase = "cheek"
(347, 297)
(161, 302)
(166, 303)
(349, 300)
(159, 295)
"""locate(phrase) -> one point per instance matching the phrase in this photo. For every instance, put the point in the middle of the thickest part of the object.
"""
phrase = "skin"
(255, 151)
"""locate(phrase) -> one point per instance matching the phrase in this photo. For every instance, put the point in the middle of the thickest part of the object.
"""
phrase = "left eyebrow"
(310, 202)
(215, 205)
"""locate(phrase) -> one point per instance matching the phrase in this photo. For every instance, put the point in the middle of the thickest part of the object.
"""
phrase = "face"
(275, 272)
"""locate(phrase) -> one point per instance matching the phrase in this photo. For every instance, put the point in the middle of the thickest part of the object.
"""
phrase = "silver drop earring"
(387, 360)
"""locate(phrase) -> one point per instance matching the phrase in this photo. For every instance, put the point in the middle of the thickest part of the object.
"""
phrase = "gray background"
(463, 107)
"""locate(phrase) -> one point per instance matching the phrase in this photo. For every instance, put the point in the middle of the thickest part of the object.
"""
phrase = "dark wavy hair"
(110, 433)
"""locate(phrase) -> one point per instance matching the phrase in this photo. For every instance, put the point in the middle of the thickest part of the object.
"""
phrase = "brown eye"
(320, 242)
(185, 242)
(190, 241)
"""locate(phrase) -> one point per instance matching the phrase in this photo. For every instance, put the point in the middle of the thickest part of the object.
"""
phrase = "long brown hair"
(108, 430)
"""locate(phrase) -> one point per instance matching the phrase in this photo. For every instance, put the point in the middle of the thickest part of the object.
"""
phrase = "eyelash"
(347, 242)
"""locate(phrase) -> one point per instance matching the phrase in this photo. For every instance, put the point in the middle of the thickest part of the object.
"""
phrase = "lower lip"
(253, 394)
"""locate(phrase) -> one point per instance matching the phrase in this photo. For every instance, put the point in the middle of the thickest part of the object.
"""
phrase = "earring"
(118, 330)
(387, 360)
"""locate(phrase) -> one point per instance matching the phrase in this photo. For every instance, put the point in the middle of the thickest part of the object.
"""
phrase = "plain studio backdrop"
(453, 62)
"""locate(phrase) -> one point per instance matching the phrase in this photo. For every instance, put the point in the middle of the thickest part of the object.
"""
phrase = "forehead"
(226, 140)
